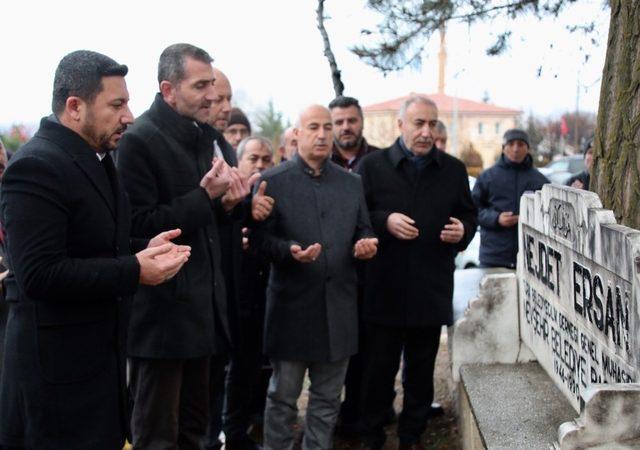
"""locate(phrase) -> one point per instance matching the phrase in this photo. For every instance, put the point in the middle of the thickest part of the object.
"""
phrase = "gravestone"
(578, 281)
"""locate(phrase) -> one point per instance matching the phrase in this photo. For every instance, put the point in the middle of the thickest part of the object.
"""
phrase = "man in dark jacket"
(319, 226)
(172, 178)
(349, 147)
(497, 195)
(67, 223)
(421, 209)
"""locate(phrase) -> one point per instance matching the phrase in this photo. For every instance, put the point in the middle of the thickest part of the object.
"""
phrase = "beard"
(100, 140)
(355, 143)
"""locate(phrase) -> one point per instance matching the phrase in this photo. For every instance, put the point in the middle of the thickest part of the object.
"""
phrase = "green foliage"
(406, 26)
(270, 123)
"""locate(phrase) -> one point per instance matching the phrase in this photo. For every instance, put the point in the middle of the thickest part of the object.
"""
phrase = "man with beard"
(317, 230)
(172, 177)
(71, 269)
(422, 210)
(349, 146)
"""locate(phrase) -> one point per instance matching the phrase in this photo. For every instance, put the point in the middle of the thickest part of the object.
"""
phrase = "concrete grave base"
(510, 407)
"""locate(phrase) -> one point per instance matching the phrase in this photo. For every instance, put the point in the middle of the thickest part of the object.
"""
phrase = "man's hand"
(401, 226)
(365, 248)
(217, 180)
(453, 232)
(308, 255)
(159, 264)
(245, 238)
(239, 188)
(577, 184)
(166, 237)
(261, 204)
(507, 219)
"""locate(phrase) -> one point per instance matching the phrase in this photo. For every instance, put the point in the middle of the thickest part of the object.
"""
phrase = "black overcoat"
(410, 283)
(68, 250)
(162, 159)
(311, 312)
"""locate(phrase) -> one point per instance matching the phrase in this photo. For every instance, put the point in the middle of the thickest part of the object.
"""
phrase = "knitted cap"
(515, 134)
(236, 116)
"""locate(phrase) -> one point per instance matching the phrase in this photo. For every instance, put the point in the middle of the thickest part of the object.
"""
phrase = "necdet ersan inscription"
(577, 290)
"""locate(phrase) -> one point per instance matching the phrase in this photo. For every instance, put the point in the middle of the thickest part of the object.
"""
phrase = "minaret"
(442, 56)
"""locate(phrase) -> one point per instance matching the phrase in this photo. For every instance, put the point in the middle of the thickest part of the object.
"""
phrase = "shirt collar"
(308, 170)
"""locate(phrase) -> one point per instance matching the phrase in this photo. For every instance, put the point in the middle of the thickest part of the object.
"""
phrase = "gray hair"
(441, 128)
(243, 145)
(172, 61)
(79, 74)
(402, 113)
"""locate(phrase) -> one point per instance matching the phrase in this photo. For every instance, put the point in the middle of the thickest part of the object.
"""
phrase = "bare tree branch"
(338, 86)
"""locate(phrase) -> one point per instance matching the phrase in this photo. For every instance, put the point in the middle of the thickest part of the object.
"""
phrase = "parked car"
(470, 258)
(560, 170)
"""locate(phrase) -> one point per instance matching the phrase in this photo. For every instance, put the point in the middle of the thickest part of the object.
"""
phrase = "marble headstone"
(578, 282)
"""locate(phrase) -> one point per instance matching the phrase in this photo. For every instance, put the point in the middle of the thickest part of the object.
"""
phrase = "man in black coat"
(230, 217)
(71, 270)
(349, 147)
(319, 226)
(422, 211)
(497, 195)
(169, 171)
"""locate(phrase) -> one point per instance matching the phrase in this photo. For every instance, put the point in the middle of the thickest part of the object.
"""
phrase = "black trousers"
(243, 379)
(385, 345)
(170, 402)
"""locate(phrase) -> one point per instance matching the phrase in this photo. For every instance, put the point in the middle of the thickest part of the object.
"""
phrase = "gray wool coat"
(312, 311)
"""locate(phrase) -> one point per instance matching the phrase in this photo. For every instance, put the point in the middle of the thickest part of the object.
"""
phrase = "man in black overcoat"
(170, 173)
(66, 221)
(317, 230)
(421, 209)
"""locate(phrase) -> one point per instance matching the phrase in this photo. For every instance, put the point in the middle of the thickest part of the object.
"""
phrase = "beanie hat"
(236, 116)
(515, 134)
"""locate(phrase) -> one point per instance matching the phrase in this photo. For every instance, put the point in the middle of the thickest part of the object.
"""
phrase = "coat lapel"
(93, 169)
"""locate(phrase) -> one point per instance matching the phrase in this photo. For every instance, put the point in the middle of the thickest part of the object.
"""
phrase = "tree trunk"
(616, 166)
(338, 86)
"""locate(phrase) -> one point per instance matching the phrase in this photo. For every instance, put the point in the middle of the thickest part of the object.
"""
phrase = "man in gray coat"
(319, 226)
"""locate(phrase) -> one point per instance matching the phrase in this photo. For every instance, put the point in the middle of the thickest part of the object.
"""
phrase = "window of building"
(480, 126)
(497, 127)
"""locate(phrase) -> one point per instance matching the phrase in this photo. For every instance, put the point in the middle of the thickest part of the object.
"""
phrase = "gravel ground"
(441, 433)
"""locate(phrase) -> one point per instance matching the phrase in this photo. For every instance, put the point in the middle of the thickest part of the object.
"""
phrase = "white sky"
(272, 49)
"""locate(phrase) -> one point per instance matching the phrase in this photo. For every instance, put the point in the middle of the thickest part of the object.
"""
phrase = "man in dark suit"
(71, 269)
(229, 216)
(319, 226)
(167, 169)
(421, 209)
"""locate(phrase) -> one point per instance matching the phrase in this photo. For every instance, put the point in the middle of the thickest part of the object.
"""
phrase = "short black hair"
(79, 74)
(171, 64)
(345, 102)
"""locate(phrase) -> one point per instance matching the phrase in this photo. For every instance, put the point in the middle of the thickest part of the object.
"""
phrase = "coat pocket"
(74, 352)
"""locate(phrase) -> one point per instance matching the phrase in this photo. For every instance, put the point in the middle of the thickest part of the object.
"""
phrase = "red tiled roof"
(445, 105)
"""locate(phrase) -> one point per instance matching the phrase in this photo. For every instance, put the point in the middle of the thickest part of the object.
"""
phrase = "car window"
(576, 165)
(560, 165)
